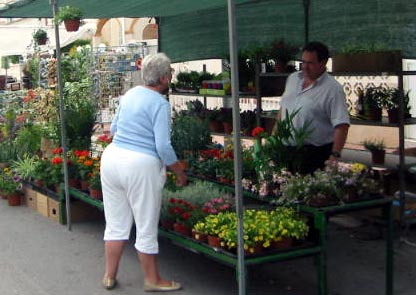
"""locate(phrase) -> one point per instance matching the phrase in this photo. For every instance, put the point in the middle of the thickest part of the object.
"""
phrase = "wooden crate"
(42, 204)
(54, 210)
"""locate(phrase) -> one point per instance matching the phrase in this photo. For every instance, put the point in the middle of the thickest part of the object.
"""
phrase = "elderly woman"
(133, 173)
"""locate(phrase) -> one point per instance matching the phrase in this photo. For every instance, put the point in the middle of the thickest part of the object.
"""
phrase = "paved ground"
(40, 257)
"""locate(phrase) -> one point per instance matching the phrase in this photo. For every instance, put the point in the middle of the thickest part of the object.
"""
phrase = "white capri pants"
(132, 185)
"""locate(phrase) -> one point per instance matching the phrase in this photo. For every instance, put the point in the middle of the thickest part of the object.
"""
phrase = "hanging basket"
(72, 25)
(42, 41)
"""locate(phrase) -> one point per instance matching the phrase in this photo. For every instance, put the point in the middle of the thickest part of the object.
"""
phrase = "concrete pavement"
(40, 257)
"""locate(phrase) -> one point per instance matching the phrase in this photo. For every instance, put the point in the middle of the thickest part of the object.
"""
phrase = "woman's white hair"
(155, 66)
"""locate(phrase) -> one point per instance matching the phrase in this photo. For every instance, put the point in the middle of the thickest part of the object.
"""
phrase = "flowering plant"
(260, 227)
(56, 170)
(220, 204)
(305, 188)
(182, 211)
(104, 140)
(85, 163)
(95, 178)
(9, 182)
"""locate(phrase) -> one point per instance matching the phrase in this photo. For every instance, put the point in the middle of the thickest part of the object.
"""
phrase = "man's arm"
(340, 136)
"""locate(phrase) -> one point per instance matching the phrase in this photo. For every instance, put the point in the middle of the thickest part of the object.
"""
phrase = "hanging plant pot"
(42, 41)
(72, 25)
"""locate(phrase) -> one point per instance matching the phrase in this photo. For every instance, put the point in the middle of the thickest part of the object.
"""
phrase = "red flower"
(258, 131)
(58, 151)
(56, 161)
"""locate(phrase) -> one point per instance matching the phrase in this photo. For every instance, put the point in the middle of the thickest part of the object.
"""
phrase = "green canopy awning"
(114, 8)
(197, 29)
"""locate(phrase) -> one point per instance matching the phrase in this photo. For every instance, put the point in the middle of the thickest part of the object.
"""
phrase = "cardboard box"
(42, 204)
(29, 193)
(31, 199)
(54, 210)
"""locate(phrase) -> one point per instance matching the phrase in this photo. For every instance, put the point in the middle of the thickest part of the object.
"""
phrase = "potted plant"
(373, 100)
(40, 37)
(281, 53)
(189, 135)
(95, 184)
(366, 57)
(10, 187)
(317, 190)
(71, 17)
(377, 149)
(392, 102)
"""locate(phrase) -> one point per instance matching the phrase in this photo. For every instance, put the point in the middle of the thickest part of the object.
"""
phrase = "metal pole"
(402, 181)
(306, 4)
(237, 146)
(54, 4)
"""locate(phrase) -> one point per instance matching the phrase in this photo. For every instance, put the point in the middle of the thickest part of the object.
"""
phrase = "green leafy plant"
(374, 144)
(25, 166)
(40, 35)
(68, 12)
(189, 135)
(353, 48)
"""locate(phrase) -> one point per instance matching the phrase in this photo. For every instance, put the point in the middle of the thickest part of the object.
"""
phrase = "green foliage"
(39, 35)
(5, 62)
(25, 166)
(80, 113)
(8, 151)
(374, 144)
(353, 48)
(68, 12)
(189, 134)
(33, 71)
(274, 154)
(76, 66)
(28, 138)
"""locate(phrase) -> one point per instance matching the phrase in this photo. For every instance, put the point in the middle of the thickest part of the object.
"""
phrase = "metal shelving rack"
(115, 70)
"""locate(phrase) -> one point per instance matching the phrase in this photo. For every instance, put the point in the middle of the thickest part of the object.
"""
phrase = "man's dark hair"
(321, 50)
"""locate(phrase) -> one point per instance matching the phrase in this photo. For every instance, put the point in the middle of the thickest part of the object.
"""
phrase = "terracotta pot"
(84, 185)
(96, 194)
(258, 248)
(214, 241)
(3, 195)
(74, 183)
(182, 229)
(199, 237)
(393, 116)
(183, 164)
(284, 243)
(373, 114)
(72, 25)
(378, 157)
(14, 199)
(166, 224)
(42, 41)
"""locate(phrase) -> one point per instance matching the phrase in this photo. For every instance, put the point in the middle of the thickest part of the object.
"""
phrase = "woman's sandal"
(109, 283)
(149, 287)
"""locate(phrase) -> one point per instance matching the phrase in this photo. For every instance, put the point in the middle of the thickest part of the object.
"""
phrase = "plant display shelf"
(321, 217)
(230, 259)
(82, 196)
